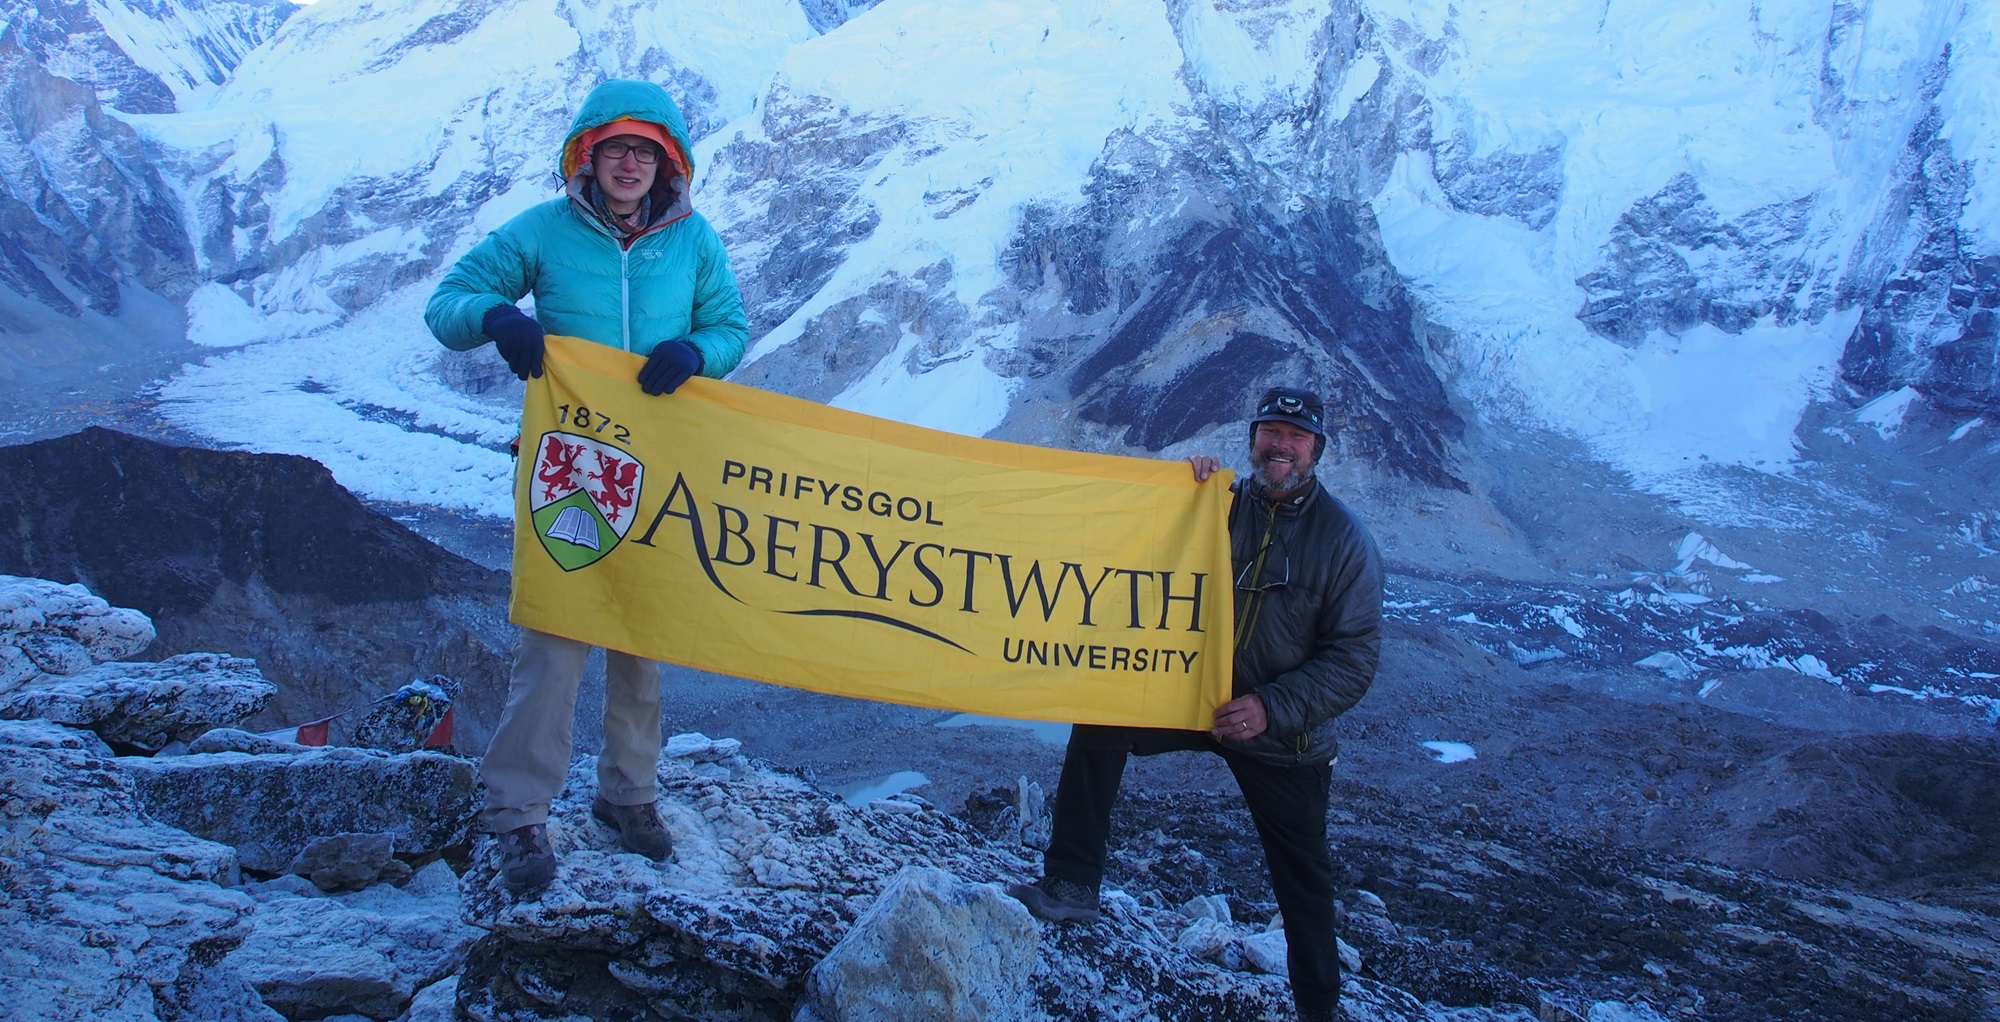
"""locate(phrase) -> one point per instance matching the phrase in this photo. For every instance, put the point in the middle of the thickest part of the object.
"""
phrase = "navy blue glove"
(518, 337)
(669, 366)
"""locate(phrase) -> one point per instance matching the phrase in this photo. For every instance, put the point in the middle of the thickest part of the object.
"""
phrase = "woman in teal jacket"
(622, 260)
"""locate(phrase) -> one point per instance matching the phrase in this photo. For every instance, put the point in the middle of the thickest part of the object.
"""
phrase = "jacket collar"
(582, 188)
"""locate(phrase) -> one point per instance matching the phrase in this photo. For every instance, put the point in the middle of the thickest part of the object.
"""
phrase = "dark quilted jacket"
(1308, 617)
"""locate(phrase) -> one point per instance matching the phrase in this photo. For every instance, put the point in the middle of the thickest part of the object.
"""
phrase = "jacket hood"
(625, 98)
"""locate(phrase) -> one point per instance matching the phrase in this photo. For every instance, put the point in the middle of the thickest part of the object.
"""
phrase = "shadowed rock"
(366, 953)
(147, 706)
(272, 807)
(108, 915)
(259, 556)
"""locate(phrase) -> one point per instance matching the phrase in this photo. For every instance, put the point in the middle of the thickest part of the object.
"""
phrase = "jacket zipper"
(1253, 606)
(625, 296)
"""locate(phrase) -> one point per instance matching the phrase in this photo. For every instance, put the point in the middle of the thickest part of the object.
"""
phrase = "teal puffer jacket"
(669, 281)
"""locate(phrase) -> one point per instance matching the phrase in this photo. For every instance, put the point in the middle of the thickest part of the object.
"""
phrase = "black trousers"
(1288, 804)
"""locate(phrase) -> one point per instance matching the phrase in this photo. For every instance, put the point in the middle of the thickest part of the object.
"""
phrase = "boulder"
(367, 953)
(435, 1003)
(931, 947)
(769, 875)
(49, 628)
(350, 862)
(108, 915)
(271, 807)
(145, 705)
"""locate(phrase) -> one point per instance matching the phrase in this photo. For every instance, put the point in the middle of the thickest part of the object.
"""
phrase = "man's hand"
(1241, 719)
(518, 337)
(669, 366)
(1204, 466)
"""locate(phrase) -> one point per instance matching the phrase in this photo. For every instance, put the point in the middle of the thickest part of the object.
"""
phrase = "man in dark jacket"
(1308, 635)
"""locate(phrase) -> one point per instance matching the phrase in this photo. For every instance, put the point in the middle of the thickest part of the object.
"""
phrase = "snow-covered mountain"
(1667, 230)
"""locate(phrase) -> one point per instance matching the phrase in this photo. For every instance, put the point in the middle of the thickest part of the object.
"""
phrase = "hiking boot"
(639, 827)
(527, 860)
(1057, 900)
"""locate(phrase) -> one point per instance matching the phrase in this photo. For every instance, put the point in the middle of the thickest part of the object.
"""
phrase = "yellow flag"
(745, 532)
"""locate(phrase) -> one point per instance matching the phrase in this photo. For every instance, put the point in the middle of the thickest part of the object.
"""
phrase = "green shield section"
(569, 546)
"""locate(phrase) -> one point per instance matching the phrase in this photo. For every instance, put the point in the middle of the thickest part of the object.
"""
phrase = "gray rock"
(108, 915)
(146, 705)
(271, 807)
(47, 627)
(1030, 808)
(435, 1003)
(229, 739)
(769, 875)
(1265, 952)
(350, 862)
(1205, 939)
(932, 947)
(367, 953)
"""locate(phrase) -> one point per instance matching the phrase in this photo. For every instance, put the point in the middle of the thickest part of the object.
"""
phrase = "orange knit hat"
(626, 126)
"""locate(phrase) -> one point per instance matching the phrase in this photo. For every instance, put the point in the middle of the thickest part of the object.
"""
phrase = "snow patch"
(1451, 752)
(220, 318)
(1886, 413)
(1669, 664)
(1695, 548)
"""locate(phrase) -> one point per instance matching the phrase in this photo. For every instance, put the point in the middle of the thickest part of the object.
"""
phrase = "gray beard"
(1298, 476)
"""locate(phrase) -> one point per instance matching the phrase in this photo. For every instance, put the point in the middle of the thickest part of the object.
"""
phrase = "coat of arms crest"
(581, 494)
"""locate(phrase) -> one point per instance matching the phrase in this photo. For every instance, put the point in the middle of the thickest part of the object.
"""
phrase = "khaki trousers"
(528, 758)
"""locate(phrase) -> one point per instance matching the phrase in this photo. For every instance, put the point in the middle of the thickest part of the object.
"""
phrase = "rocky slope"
(341, 881)
(262, 557)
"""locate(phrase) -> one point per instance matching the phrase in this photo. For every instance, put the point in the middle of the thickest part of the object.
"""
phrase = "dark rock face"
(262, 556)
(85, 211)
(1931, 321)
(1526, 186)
(66, 37)
(1753, 266)
(1467, 908)
(805, 173)
(1171, 325)
(1869, 810)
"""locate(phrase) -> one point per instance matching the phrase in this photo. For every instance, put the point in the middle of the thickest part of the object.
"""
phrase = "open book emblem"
(581, 493)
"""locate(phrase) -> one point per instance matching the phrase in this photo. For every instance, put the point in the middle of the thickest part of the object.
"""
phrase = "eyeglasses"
(1289, 405)
(1270, 568)
(617, 151)
(1264, 582)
